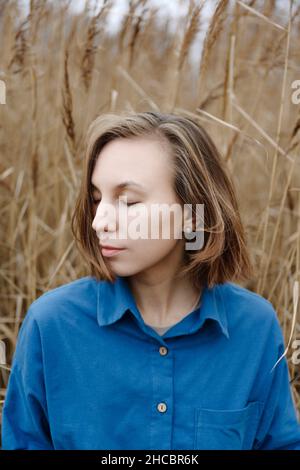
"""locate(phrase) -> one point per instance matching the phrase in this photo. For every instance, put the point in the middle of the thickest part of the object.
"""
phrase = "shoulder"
(243, 297)
(53, 316)
(247, 310)
(79, 295)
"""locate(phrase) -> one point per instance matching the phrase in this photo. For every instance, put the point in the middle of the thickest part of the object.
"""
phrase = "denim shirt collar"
(114, 299)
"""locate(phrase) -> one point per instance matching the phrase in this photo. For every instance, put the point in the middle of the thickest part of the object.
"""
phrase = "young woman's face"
(146, 163)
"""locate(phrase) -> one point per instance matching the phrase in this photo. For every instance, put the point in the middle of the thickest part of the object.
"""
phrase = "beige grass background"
(61, 69)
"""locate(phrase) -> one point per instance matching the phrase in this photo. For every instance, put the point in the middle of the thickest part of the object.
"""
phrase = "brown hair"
(200, 177)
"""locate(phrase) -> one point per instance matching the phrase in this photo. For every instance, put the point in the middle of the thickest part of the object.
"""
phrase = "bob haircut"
(199, 177)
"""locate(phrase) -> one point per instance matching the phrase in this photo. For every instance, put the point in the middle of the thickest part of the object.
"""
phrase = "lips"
(108, 250)
(109, 247)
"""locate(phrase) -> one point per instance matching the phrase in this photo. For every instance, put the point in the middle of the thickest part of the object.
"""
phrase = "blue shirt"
(89, 373)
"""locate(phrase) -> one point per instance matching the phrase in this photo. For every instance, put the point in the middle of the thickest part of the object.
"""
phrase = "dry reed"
(61, 69)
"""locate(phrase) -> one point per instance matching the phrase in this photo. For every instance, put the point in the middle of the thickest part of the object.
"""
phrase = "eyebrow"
(123, 185)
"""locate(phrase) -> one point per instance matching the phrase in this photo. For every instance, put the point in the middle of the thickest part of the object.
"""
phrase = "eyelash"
(96, 201)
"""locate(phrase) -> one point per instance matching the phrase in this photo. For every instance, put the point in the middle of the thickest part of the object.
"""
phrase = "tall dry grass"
(62, 69)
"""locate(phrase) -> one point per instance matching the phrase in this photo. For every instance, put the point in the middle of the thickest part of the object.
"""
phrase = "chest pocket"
(226, 429)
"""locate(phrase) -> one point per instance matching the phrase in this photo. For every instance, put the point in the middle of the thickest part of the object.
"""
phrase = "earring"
(187, 231)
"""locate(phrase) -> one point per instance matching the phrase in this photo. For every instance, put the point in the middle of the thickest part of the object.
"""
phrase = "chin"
(124, 271)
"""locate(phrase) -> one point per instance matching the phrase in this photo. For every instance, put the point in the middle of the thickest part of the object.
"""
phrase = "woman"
(157, 348)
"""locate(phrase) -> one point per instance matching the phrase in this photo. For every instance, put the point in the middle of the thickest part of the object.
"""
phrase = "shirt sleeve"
(279, 428)
(24, 416)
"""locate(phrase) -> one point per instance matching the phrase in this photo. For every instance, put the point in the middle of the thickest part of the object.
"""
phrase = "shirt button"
(162, 407)
(163, 351)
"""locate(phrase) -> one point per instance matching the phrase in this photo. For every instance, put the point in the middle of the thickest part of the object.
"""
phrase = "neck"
(163, 299)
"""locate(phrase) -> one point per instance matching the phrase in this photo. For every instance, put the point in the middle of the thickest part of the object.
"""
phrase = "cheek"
(173, 225)
(154, 227)
(149, 251)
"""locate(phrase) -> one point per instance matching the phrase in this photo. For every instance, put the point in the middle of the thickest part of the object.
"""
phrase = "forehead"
(146, 161)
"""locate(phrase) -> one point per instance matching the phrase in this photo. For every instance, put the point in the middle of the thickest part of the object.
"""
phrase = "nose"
(105, 219)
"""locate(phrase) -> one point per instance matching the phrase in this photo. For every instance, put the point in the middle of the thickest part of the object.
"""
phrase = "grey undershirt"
(160, 329)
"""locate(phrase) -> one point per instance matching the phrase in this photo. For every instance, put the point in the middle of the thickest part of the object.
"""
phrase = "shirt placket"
(162, 364)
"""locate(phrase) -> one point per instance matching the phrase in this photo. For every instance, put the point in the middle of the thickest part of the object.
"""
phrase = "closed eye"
(131, 203)
(96, 201)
